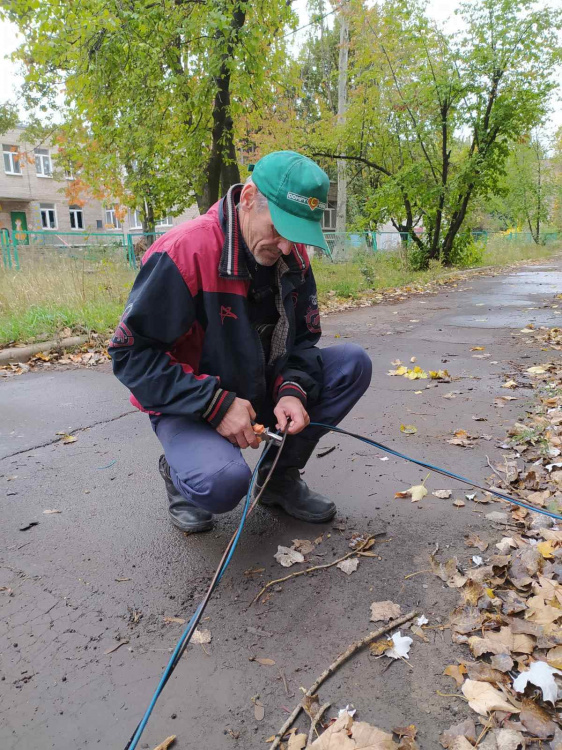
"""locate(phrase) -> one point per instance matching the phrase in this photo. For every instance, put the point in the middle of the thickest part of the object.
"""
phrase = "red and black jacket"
(185, 344)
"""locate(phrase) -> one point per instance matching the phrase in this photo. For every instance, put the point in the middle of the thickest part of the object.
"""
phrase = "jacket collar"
(233, 262)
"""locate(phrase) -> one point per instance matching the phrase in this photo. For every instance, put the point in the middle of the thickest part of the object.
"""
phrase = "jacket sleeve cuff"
(218, 406)
(290, 388)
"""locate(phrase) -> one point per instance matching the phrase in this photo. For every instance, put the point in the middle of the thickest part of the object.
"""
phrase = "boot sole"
(301, 516)
(195, 529)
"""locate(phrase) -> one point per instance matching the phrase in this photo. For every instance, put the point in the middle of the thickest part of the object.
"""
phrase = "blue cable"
(188, 632)
(192, 624)
(438, 470)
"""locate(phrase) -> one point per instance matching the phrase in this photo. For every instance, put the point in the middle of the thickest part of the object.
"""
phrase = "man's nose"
(285, 246)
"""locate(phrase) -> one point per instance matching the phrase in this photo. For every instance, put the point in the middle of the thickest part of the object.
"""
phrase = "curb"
(23, 353)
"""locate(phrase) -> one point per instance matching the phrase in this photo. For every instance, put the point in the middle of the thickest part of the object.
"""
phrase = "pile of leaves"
(90, 354)
(510, 614)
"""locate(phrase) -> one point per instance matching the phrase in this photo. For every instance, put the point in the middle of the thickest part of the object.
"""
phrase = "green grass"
(377, 272)
(49, 295)
(45, 297)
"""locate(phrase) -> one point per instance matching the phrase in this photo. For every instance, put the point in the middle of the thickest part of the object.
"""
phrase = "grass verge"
(46, 297)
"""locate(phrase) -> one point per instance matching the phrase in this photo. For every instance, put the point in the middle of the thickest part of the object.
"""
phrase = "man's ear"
(248, 196)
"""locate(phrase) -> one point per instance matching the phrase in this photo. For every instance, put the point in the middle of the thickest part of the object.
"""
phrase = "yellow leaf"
(456, 671)
(546, 549)
(477, 348)
(399, 371)
(408, 429)
(510, 384)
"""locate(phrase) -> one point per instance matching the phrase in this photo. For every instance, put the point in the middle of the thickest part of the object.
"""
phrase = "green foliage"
(8, 117)
(467, 252)
(152, 90)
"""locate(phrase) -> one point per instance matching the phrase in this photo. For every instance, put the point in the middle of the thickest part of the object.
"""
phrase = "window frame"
(49, 207)
(115, 224)
(167, 221)
(75, 211)
(135, 221)
(11, 151)
(40, 159)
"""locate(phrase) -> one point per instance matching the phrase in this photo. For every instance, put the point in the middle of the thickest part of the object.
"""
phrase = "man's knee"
(223, 490)
(358, 366)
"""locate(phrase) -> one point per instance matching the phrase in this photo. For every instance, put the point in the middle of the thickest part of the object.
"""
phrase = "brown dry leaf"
(409, 731)
(348, 566)
(473, 540)
(448, 572)
(465, 729)
(457, 672)
(311, 705)
(540, 612)
(442, 494)
(554, 657)
(385, 611)
(179, 620)
(466, 619)
(525, 564)
(472, 591)
(459, 503)
(304, 546)
(263, 661)
(167, 743)
(536, 720)
(201, 636)
(483, 672)
(510, 384)
(502, 642)
(297, 742)
(501, 662)
(461, 743)
(259, 710)
(287, 556)
(483, 698)
(379, 647)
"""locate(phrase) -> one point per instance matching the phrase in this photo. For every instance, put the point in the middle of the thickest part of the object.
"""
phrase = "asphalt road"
(109, 567)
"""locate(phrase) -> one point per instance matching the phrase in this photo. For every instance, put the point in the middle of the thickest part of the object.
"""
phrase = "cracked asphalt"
(109, 567)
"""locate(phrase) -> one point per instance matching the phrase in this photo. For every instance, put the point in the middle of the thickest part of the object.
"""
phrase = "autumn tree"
(151, 90)
(433, 117)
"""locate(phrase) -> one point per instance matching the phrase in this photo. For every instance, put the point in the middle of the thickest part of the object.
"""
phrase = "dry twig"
(356, 551)
(167, 742)
(314, 723)
(358, 645)
(505, 481)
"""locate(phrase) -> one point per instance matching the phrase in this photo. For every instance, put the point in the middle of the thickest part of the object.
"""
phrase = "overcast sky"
(441, 10)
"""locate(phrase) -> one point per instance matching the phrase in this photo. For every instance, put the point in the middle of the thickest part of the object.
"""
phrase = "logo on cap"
(313, 203)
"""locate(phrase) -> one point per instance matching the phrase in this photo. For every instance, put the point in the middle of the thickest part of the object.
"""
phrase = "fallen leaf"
(348, 566)
(379, 647)
(49, 512)
(459, 503)
(401, 647)
(417, 492)
(483, 698)
(304, 546)
(510, 384)
(363, 737)
(384, 611)
(540, 612)
(554, 657)
(178, 620)
(473, 540)
(477, 348)
(466, 729)
(259, 710)
(442, 494)
(408, 429)
(457, 672)
(541, 675)
(201, 636)
(167, 743)
(66, 438)
(546, 549)
(287, 556)
(297, 742)
(536, 720)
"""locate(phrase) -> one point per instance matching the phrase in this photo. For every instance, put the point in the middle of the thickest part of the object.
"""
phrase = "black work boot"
(182, 514)
(286, 488)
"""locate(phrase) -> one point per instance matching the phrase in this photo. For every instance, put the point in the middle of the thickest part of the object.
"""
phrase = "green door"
(19, 227)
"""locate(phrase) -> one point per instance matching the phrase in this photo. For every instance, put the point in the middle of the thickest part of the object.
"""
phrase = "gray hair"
(261, 200)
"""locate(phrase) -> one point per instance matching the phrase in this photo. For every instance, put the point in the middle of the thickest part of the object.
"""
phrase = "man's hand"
(291, 408)
(236, 425)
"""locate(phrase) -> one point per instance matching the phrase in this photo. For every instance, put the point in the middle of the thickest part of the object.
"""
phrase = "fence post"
(131, 251)
(15, 251)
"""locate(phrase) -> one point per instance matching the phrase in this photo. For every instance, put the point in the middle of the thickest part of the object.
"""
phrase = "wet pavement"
(109, 567)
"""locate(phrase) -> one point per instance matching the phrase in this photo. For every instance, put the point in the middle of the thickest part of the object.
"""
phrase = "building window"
(76, 217)
(43, 162)
(11, 159)
(135, 221)
(111, 220)
(165, 222)
(329, 217)
(48, 216)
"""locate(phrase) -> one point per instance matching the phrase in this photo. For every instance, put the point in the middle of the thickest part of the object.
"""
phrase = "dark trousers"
(211, 473)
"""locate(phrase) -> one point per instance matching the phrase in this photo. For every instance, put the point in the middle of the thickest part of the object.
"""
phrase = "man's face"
(261, 237)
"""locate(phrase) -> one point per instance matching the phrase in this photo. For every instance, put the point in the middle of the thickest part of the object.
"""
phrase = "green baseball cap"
(297, 195)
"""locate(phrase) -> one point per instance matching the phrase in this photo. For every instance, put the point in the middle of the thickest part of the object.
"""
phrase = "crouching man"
(221, 329)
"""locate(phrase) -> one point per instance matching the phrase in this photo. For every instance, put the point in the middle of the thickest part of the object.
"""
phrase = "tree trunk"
(341, 210)
(222, 167)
